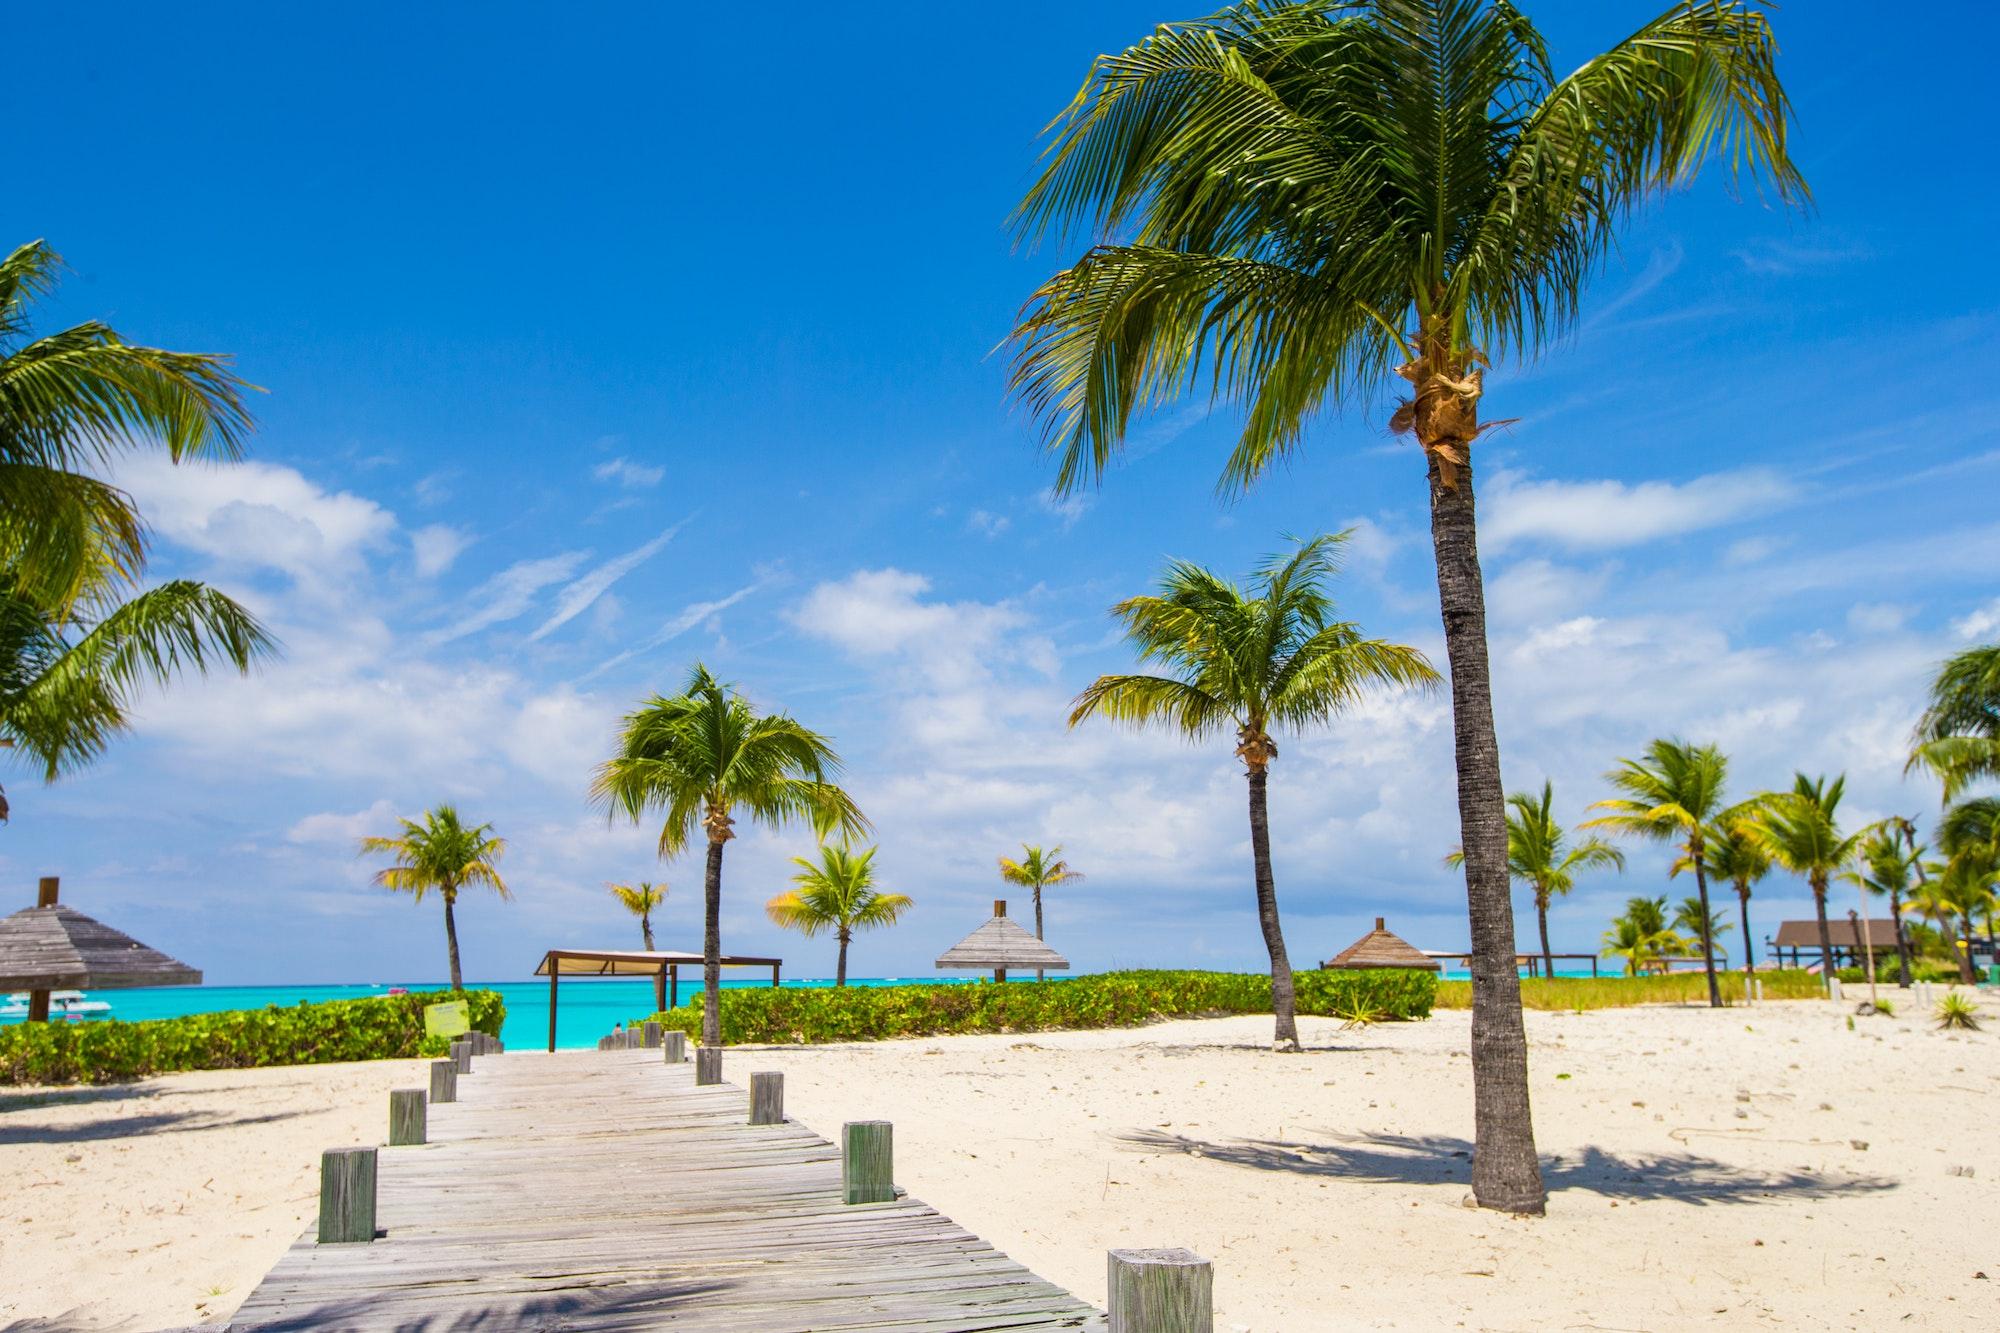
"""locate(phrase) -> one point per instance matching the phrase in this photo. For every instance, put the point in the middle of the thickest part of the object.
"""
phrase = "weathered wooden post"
(444, 1080)
(1833, 988)
(1160, 1291)
(867, 1161)
(767, 1099)
(677, 1048)
(652, 1034)
(407, 1117)
(708, 1065)
(461, 1052)
(346, 1195)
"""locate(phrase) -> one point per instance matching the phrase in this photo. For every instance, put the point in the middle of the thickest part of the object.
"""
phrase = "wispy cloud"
(986, 523)
(435, 547)
(575, 599)
(1780, 258)
(510, 593)
(1662, 265)
(1601, 515)
(1066, 509)
(689, 616)
(632, 476)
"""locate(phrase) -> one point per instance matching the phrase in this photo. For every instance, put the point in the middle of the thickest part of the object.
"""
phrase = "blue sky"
(597, 341)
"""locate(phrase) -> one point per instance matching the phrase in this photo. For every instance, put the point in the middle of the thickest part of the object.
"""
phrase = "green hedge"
(1613, 992)
(1112, 999)
(386, 1028)
(1886, 973)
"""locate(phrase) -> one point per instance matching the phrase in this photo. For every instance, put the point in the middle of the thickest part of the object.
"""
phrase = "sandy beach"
(1752, 1167)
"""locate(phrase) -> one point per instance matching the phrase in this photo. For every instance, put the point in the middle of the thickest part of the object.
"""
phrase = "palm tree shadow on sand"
(1441, 1159)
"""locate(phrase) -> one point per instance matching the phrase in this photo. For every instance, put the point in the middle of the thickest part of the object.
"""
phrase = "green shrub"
(1886, 973)
(1617, 992)
(1111, 999)
(388, 1027)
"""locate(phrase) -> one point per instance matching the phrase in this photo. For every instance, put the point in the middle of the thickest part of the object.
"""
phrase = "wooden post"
(444, 1080)
(1160, 1291)
(407, 1117)
(555, 970)
(673, 985)
(676, 1044)
(708, 1065)
(346, 1195)
(774, 975)
(767, 1099)
(461, 1051)
(660, 989)
(652, 1034)
(867, 1161)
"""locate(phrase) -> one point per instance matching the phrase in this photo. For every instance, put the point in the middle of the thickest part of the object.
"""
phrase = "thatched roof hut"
(1001, 945)
(1381, 947)
(51, 947)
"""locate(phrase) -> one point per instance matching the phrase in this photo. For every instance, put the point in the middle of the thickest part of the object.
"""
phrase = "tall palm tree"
(443, 853)
(1969, 835)
(1734, 857)
(73, 401)
(1958, 736)
(1292, 204)
(640, 899)
(1642, 936)
(1538, 858)
(1800, 831)
(1882, 866)
(1036, 871)
(836, 893)
(703, 754)
(1273, 659)
(1673, 795)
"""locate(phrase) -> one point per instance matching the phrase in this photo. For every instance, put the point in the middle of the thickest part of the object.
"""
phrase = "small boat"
(62, 1004)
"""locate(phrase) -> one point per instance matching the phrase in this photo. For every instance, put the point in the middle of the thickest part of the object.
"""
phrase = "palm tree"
(1674, 793)
(1734, 857)
(1882, 867)
(446, 854)
(1958, 736)
(1799, 831)
(640, 899)
(1969, 835)
(71, 402)
(1641, 935)
(1537, 858)
(1694, 916)
(837, 893)
(1272, 660)
(1037, 871)
(702, 754)
(1292, 203)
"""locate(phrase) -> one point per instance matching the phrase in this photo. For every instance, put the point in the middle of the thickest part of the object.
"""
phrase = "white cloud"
(632, 476)
(510, 593)
(257, 515)
(577, 597)
(689, 616)
(1066, 509)
(1600, 515)
(882, 615)
(1979, 624)
(987, 524)
(435, 547)
(1877, 617)
(344, 830)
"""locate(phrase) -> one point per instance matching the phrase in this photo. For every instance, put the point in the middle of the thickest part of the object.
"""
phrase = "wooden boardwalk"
(604, 1190)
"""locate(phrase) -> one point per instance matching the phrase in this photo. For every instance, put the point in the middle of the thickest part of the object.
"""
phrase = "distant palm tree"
(1732, 855)
(445, 854)
(837, 893)
(1037, 871)
(1537, 857)
(1291, 204)
(1883, 866)
(1674, 793)
(1692, 916)
(702, 754)
(1969, 835)
(1270, 660)
(1641, 936)
(1958, 737)
(640, 899)
(1799, 830)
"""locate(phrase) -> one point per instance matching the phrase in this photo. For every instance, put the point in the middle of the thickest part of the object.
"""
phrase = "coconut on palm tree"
(1800, 831)
(701, 757)
(1642, 937)
(1292, 206)
(1733, 857)
(445, 854)
(1539, 857)
(1673, 795)
(1035, 871)
(640, 899)
(836, 893)
(1252, 664)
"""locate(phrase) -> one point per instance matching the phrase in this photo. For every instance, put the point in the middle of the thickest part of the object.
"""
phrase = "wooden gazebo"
(1382, 947)
(1001, 945)
(662, 965)
(49, 947)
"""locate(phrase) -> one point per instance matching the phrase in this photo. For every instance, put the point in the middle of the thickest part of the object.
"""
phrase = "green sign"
(450, 1019)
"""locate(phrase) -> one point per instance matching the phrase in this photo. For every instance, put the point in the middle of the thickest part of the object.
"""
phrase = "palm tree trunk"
(1038, 923)
(1542, 920)
(840, 967)
(711, 948)
(451, 942)
(1902, 941)
(1965, 972)
(646, 928)
(1505, 1172)
(1743, 915)
(1283, 1005)
(1825, 935)
(1707, 931)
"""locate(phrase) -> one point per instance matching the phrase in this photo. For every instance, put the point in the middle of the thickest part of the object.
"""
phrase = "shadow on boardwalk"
(629, 1304)
(1441, 1159)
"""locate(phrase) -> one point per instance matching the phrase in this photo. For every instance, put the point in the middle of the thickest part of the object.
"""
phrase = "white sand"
(1704, 1170)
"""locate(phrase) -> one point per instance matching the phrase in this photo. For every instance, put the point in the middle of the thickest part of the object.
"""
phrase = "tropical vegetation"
(1035, 871)
(1273, 659)
(640, 899)
(1644, 940)
(703, 756)
(1735, 858)
(1538, 855)
(836, 893)
(1884, 861)
(1290, 206)
(441, 852)
(1800, 831)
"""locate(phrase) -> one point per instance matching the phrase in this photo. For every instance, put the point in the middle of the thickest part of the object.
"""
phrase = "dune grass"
(1620, 992)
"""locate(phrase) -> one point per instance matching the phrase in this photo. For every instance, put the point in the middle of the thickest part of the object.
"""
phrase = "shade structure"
(52, 947)
(1381, 947)
(662, 965)
(1000, 946)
